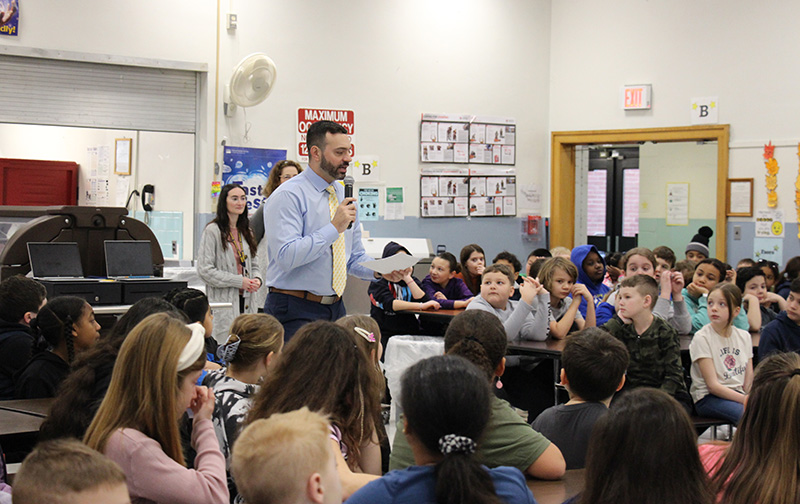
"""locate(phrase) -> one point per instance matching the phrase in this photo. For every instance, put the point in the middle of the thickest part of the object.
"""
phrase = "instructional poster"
(368, 198)
(453, 138)
(443, 196)
(678, 204)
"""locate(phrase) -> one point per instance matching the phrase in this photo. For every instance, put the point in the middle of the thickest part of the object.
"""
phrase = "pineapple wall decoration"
(772, 175)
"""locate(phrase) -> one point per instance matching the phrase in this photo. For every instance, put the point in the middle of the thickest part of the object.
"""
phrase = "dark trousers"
(294, 312)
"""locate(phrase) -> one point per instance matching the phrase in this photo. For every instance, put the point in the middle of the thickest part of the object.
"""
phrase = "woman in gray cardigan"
(226, 260)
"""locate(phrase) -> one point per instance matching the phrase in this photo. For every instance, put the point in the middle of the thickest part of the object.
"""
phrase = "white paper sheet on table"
(391, 263)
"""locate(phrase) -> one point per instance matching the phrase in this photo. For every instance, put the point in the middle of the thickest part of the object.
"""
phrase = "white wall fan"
(252, 81)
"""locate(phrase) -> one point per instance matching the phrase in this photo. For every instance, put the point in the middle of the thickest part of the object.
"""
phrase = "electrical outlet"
(737, 232)
(233, 21)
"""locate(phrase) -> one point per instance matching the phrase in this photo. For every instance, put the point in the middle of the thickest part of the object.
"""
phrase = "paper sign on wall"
(678, 204)
(394, 203)
(769, 249)
(769, 224)
(368, 199)
(704, 110)
(366, 169)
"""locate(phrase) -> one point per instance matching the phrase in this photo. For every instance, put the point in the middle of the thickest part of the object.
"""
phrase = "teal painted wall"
(654, 232)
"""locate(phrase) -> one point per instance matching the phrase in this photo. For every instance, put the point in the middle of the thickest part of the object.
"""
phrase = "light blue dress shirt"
(299, 234)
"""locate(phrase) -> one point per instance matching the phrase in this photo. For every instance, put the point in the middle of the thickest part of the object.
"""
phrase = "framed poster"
(122, 156)
(739, 197)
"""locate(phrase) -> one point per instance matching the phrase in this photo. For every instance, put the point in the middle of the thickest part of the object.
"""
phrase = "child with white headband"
(254, 341)
(447, 408)
(136, 426)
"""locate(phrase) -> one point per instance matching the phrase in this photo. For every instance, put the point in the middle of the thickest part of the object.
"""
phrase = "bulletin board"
(467, 139)
(468, 196)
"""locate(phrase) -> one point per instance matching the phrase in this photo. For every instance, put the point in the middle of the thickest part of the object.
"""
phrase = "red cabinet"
(31, 182)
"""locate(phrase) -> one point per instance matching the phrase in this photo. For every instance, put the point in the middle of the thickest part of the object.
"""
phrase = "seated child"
(665, 260)
(255, 340)
(722, 358)
(442, 286)
(644, 451)
(745, 263)
(591, 271)
(771, 273)
(669, 305)
(447, 405)
(653, 345)
(751, 281)
(508, 441)
(21, 298)
(558, 276)
(390, 300)
(790, 272)
(783, 333)
(260, 455)
(536, 267)
(614, 271)
(473, 262)
(710, 272)
(66, 328)
(85, 386)
(136, 425)
(67, 471)
(527, 318)
(594, 364)
(194, 303)
(686, 269)
(760, 464)
(540, 253)
(507, 258)
(697, 249)
(560, 252)
(322, 368)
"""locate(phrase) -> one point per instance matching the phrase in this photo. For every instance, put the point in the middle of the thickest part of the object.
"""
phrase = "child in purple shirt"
(442, 286)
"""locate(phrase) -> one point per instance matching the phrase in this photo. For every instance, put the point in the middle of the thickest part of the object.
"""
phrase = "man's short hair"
(665, 253)
(319, 130)
(18, 296)
(644, 285)
(594, 362)
(499, 268)
(274, 457)
(56, 470)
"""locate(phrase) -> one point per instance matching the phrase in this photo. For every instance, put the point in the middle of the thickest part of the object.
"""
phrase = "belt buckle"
(328, 300)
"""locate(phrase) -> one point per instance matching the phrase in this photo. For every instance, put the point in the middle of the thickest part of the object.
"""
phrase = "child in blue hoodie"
(783, 333)
(591, 272)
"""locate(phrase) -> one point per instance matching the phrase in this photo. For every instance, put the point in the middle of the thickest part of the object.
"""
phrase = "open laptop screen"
(55, 259)
(128, 258)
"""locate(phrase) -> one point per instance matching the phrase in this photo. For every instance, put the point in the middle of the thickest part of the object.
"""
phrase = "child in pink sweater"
(136, 426)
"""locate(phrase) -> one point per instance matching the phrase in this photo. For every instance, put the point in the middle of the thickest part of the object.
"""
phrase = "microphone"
(348, 192)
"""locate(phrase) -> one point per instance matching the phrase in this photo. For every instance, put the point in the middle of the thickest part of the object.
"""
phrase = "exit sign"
(636, 97)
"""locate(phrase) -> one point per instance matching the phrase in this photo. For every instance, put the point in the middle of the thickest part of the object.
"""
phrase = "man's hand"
(345, 214)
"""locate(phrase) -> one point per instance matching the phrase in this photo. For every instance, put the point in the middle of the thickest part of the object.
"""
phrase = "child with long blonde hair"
(136, 426)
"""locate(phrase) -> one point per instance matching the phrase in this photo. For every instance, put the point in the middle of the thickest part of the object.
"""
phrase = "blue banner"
(9, 17)
(250, 167)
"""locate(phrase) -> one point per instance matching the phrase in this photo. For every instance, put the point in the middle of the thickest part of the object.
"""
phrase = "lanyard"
(239, 251)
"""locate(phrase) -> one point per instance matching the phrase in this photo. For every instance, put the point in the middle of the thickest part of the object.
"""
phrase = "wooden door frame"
(562, 171)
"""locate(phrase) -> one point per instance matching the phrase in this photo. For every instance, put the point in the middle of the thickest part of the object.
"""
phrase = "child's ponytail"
(446, 401)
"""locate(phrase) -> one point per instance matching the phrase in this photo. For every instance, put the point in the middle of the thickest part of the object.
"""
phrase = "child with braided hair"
(66, 327)
(446, 400)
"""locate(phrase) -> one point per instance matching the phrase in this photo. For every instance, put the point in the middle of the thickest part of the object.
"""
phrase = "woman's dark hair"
(716, 263)
(223, 221)
(81, 392)
(479, 337)
(473, 282)
(448, 396)
(627, 463)
(322, 368)
(192, 302)
(55, 320)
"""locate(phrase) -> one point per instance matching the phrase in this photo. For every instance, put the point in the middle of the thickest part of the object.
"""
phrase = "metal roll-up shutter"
(97, 95)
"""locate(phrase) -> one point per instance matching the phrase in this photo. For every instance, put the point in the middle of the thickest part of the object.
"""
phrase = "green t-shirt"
(508, 441)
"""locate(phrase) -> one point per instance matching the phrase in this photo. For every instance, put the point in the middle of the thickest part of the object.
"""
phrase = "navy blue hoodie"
(598, 290)
(780, 335)
(382, 293)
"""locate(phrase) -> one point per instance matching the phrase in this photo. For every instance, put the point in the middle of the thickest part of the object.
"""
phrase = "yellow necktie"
(339, 262)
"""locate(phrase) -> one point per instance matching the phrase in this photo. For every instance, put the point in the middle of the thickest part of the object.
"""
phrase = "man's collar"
(319, 183)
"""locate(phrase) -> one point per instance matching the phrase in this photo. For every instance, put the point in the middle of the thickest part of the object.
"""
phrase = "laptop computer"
(129, 260)
(55, 261)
